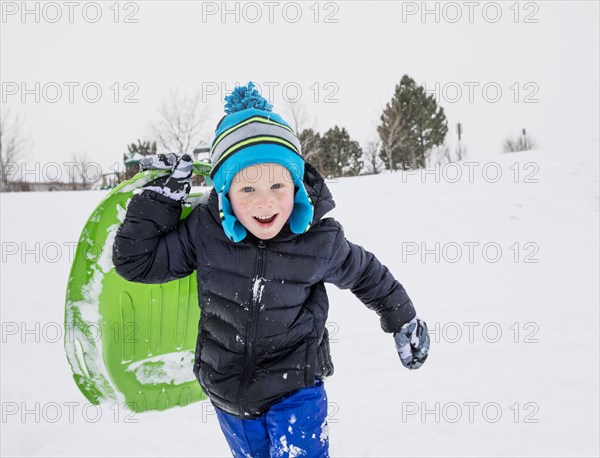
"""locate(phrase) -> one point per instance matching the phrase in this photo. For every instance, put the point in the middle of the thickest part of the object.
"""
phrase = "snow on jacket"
(263, 304)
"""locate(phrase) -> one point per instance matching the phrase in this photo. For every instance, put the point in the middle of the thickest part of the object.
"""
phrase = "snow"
(324, 432)
(167, 368)
(514, 362)
(257, 288)
(290, 451)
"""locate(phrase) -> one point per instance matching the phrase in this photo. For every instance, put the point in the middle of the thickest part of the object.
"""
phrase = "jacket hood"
(318, 192)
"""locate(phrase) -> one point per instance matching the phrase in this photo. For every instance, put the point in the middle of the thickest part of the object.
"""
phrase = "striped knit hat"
(251, 134)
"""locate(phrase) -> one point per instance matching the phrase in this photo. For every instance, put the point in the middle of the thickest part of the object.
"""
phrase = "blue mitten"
(412, 343)
(175, 186)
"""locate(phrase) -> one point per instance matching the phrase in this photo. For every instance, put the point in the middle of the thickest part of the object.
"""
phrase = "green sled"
(129, 342)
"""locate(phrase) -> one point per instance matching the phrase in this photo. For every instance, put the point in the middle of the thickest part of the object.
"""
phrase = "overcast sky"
(347, 55)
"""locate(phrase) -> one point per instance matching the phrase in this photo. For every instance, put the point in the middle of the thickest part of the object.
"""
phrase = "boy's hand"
(177, 185)
(412, 343)
(158, 162)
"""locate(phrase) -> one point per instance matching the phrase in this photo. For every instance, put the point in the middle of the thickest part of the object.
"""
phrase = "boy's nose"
(264, 201)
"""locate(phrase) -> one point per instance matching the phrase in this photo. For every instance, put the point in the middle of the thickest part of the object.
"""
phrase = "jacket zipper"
(251, 328)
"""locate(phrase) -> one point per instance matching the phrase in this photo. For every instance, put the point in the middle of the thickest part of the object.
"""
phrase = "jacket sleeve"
(350, 266)
(153, 245)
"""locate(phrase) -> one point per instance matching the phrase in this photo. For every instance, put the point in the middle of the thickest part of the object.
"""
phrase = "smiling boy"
(262, 352)
(262, 198)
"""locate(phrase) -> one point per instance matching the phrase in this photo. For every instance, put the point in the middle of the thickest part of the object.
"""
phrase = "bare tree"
(392, 138)
(443, 154)
(298, 117)
(13, 145)
(373, 163)
(84, 172)
(180, 126)
(439, 154)
(305, 127)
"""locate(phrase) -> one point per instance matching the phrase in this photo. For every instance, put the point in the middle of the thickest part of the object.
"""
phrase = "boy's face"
(262, 190)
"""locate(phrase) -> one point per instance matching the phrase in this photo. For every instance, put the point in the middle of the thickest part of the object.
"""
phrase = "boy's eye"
(250, 188)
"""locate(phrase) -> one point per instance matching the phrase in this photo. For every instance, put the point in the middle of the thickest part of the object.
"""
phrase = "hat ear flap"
(303, 212)
(234, 230)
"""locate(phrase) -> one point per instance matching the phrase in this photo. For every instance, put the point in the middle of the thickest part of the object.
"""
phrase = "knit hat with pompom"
(249, 134)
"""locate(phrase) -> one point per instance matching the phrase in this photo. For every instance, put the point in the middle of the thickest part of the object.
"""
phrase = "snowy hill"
(500, 258)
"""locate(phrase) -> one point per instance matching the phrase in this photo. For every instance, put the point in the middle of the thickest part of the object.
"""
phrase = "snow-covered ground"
(504, 269)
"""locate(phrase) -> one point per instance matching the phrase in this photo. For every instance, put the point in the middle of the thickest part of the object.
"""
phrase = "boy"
(262, 251)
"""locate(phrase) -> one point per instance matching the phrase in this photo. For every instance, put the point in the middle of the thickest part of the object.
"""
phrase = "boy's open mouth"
(266, 220)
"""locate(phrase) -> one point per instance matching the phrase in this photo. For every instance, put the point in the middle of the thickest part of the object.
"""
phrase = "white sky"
(363, 55)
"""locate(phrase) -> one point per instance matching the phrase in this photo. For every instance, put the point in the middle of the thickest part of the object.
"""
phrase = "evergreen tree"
(144, 148)
(340, 156)
(411, 124)
(310, 142)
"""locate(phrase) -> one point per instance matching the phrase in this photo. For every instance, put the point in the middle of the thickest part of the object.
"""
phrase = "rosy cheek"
(235, 205)
(243, 207)
(288, 202)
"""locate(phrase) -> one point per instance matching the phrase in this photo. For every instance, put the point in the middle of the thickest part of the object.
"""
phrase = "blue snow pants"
(296, 426)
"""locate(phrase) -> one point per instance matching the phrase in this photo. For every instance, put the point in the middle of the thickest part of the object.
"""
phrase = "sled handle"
(198, 168)
(201, 168)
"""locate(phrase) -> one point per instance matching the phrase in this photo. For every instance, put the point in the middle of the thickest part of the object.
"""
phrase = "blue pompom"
(244, 97)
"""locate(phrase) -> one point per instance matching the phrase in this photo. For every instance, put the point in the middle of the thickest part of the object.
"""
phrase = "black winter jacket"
(263, 304)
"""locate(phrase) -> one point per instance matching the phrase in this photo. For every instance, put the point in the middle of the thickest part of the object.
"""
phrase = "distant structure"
(109, 180)
(202, 154)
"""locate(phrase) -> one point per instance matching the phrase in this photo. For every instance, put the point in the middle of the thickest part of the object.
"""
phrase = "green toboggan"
(128, 342)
